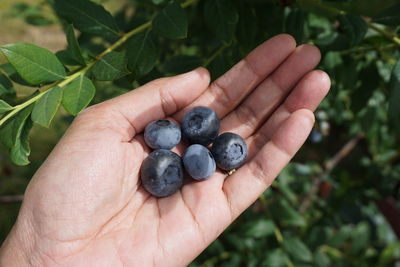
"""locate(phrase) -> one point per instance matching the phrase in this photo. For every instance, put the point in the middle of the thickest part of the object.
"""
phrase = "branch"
(335, 11)
(86, 68)
(11, 199)
(329, 166)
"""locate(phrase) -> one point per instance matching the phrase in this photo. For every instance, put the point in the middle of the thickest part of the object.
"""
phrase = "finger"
(258, 106)
(154, 100)
(229, 90)
(308, 94)
(251, 180)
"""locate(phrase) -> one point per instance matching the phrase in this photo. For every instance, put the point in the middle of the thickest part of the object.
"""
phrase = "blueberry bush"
(336, 204)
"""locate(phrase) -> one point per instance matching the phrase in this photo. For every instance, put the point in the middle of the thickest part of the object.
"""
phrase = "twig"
(329, 166)
(86, 68)
(11, 199)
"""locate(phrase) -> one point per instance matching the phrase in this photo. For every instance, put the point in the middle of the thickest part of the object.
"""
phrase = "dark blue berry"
(199, 162)
(162, 173)
(162, 134)
(230, 151)
(200, 126)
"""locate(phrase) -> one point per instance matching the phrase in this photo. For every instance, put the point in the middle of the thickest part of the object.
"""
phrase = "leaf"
(142, 53)
(88, 17)
(296, 248)
(285, 214)
(354, 28)
(247, 28)
(394, 97)
(73, 46)
(321, 259)
(47, 106)
(13, 74)
(36, 65)
(260, 228)
(296, 24)
(275, 258)
(4, 106)
(11, 131)
(221, 17)
(20, 151)
(78, 94)
(6, 86)
(182, 63)
(370, 81)
(111, 67)
(389, 16)
(171, 22)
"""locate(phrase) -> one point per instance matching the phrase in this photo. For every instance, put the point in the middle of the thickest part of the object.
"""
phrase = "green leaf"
(321, 259)
(171, 22)
(4, 106)
(78, 94)
(221, 17)
(142, 53)
(182, 63)
(73, 46)
(247, 28)
(354, 28)
(111, 67)
(6, 86)
(287, 215)
(389, 16)
(394, 97)
(13, 74)
(47, 106)
(296, 24)
(11, 131)
(296, 248)
(20, 151)
(260, 228)
(275, 258)
(88, 17)
(36, 65)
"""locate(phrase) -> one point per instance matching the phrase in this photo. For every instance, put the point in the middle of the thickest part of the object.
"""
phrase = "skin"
(85, 205)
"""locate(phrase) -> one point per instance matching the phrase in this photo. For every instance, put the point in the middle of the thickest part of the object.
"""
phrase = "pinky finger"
(251, 180)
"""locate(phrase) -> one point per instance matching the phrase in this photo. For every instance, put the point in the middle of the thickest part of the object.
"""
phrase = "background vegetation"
(336, 204)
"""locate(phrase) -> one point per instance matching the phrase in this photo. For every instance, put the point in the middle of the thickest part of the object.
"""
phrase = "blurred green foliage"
(329, 206)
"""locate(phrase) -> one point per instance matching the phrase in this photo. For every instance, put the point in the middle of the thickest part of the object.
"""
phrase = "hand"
(85, 205)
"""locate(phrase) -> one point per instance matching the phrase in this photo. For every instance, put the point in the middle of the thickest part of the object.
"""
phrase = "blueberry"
(230, 151)
(162, 134)
(162, 173)
(199, 162)
(200, 126)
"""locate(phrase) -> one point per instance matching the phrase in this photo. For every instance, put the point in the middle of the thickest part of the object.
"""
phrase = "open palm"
(85, 205)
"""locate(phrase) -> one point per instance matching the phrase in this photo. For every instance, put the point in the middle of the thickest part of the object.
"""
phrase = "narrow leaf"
(111, 67)
(296, 248)
(389, 16)
(354, 28)
(260, 228)
(73, 46)
(4, 106)
(36, 65)
(221, 17)
(88, 17)
(47, 106)
(394, 98)
(11, 130)
(21, 150)
(6, 86)
(142, 53)
(78, 94)
(296, 24)
(171, 22)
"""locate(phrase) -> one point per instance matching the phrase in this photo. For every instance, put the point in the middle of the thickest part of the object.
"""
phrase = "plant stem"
(85, 69)
(335, 11)
(11, 199)
(214, 56)
(392, 37)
